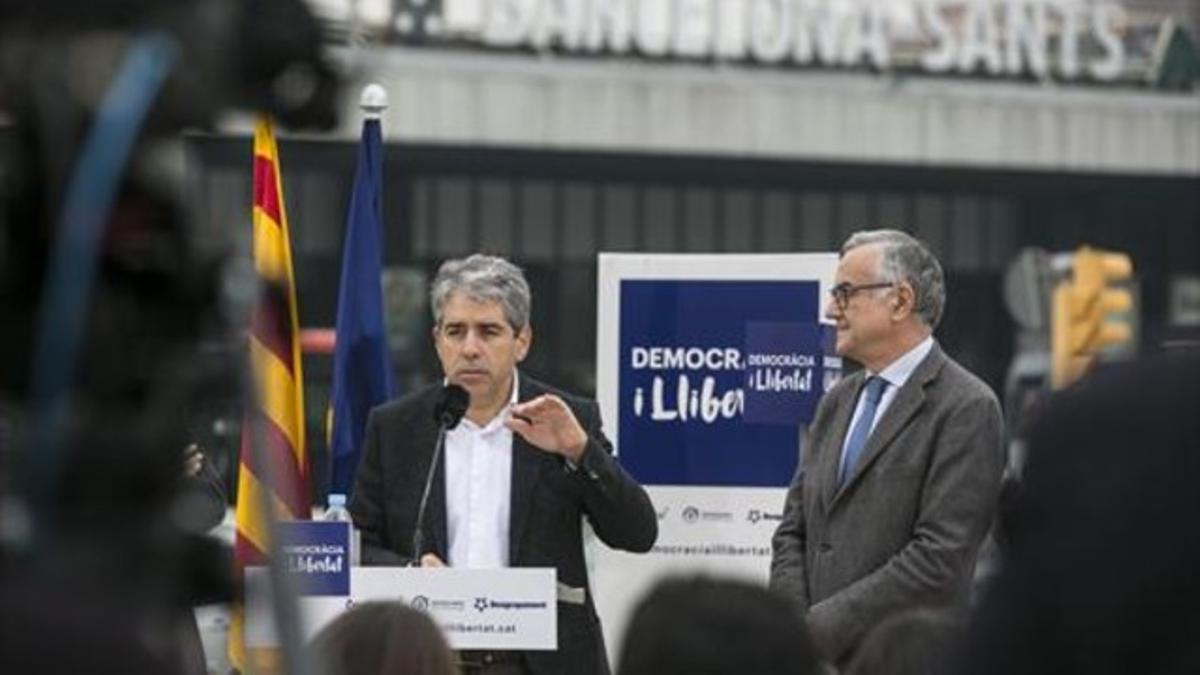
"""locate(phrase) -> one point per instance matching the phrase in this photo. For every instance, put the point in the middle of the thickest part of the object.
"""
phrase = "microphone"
(452, 404)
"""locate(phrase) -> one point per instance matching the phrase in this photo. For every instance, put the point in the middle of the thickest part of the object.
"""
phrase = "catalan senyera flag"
(275, 417)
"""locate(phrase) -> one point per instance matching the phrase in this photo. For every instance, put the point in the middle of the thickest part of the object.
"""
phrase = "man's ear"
(904, 301)
(524, 342)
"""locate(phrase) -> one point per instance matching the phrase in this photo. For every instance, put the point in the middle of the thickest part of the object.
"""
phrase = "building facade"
(551, 131)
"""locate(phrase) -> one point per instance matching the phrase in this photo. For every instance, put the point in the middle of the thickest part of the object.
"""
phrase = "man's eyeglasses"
(845, 290)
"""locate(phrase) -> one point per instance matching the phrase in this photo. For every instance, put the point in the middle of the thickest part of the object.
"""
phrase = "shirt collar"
(897, 372)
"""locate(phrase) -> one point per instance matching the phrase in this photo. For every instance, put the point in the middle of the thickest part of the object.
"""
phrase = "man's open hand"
(547, 423)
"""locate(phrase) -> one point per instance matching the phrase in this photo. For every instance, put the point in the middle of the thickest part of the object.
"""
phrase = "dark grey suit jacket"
(905, 528)
(548, 502)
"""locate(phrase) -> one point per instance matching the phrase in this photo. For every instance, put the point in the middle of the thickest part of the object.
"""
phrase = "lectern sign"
(317, 554)
(510, 608)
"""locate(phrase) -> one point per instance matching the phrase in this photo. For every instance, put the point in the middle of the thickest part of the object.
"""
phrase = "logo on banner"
(691, 514)
(716, 377)
(755, 516)
(427, 604)
(316, 552)
(484, 603)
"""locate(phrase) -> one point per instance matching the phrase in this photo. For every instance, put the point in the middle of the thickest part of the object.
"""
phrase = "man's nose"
(832, 311)
(471, 343)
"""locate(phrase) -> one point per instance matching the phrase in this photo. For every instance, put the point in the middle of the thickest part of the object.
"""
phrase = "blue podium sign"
(317, 553)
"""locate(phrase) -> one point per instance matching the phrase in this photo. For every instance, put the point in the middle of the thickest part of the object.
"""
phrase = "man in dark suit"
(902, 463)
(518, 475)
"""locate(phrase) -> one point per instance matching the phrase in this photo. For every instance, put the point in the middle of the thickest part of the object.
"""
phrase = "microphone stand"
(418, 539)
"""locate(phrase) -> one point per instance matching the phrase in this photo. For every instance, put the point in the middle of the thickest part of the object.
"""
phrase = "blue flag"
(362, 368)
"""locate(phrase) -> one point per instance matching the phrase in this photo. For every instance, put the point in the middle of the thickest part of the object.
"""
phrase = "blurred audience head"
(913, 642)
(1101, 573)
(384, 638)
(705, 626)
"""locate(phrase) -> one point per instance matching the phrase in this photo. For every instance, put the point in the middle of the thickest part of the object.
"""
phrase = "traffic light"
(1082, 305)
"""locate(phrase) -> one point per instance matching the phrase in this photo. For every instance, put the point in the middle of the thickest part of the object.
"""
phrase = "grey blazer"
(905, 528)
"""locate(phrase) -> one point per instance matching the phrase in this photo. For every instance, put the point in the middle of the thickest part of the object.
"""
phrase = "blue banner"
(716, 379)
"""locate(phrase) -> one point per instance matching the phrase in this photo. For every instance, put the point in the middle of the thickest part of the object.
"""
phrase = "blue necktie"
(872, 393)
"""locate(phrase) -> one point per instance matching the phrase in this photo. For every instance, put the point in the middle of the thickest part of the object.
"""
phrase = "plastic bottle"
(337, 513)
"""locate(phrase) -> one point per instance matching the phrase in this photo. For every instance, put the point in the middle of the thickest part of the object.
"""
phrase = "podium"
(498, 609)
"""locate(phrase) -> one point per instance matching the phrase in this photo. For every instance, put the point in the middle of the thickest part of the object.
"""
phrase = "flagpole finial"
(373, 101)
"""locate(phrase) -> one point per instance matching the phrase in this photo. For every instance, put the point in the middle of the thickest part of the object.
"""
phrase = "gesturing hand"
(549, 424)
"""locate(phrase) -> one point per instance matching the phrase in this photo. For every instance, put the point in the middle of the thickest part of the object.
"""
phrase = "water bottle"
(337, 513)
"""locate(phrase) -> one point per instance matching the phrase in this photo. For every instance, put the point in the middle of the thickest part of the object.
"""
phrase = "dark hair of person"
(384, 638)
(704, 626)
(912, 642)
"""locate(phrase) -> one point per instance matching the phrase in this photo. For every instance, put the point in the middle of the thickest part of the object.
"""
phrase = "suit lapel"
(526, 463)
(908, 401)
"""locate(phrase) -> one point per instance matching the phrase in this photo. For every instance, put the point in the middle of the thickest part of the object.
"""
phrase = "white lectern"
(500, 609)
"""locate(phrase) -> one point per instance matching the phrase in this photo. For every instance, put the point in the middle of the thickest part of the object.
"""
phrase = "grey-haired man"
(517, 477)
(903, 460)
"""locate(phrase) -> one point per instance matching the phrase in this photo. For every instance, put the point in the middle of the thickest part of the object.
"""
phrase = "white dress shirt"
(896, 374)
(478, 489)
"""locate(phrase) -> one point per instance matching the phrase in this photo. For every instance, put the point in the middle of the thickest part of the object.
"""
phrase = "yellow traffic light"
(1081, 310)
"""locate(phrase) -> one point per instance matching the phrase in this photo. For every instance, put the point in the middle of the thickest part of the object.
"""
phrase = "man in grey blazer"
(902, 463)
(519, 474)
